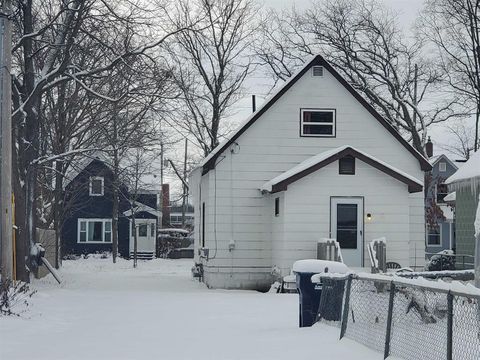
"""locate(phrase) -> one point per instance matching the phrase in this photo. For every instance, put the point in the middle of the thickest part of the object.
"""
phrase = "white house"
(315, 161)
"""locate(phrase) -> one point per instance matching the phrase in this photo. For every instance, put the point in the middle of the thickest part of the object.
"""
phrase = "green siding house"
(466, 185)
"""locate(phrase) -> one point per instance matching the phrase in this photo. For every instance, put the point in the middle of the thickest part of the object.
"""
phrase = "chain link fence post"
(389, 320)
(346, 306)
(449, 326)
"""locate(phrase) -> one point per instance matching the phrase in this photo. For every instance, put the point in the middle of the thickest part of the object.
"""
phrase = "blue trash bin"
(310, 293)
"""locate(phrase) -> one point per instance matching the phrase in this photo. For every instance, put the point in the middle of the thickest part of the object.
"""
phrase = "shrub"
(14, 297)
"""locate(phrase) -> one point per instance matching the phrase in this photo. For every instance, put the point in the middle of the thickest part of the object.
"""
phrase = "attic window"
(442, 166)
(96, 186)
(317, 122)
(346, 165)
(317, 71)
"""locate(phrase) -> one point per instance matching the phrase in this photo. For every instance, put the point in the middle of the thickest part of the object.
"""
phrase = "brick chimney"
(429, 148)
(166, 205)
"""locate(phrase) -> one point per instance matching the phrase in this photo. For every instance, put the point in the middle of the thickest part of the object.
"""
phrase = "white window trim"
(440, 236)
(332, 124)
(87, 220)
(90, 185)
(442, 166)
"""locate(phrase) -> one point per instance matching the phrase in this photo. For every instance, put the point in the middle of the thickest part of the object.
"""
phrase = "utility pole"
(6, 224)
(160, 205)
(185, 190)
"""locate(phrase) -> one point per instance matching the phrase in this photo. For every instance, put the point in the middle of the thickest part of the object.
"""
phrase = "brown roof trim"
(319, 60)
(413, 187)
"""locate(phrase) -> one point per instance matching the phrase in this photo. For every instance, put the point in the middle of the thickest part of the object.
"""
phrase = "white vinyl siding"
(94, 231)
(271, 146)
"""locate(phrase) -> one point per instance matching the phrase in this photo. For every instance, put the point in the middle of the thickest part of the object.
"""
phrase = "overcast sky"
(259, 84)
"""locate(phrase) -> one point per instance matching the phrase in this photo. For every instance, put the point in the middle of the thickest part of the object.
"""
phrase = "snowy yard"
(102, 311)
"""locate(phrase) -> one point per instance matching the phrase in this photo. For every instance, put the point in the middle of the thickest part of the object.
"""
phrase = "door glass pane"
(152, 230)
(347, 225)
(142, 230)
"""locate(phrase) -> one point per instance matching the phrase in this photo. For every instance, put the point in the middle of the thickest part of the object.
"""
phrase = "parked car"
(174, 243)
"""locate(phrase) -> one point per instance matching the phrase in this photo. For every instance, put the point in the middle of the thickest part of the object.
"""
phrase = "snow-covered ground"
(157, 311)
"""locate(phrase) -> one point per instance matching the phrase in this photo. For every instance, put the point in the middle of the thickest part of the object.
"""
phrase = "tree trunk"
(115, 206)
(58, 211)
(477, 117)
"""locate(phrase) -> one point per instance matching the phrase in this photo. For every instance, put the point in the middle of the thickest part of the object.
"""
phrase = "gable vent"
(317, 70)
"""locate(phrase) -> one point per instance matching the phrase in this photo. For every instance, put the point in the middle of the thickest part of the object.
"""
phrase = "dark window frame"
(333, 124)
(277, 206)
(343, 171)
(440, 195)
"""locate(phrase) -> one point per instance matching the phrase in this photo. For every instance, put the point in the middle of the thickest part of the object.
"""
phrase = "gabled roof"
(435, 159)
(281, 182)
(209, 162)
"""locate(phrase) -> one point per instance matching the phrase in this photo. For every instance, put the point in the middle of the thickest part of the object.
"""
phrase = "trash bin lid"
(319, 266)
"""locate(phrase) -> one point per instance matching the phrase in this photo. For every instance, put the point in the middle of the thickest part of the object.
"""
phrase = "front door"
(346, 226)
(146, 232)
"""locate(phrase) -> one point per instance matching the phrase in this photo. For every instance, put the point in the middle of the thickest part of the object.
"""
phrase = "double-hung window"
(94, 231)
(433, 236)
(317, 122)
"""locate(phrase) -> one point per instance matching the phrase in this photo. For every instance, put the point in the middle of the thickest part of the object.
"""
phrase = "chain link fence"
(405, 318)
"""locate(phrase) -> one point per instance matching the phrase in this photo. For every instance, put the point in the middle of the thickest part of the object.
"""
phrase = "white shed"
(315, 161)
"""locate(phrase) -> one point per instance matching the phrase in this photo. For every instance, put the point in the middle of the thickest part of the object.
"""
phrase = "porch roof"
(314, 163)
(139, 207)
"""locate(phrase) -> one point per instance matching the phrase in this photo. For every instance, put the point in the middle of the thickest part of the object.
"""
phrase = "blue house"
(87, 225)
(440, 234)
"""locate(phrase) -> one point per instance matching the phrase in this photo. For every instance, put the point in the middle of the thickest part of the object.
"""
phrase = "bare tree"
(211, 64)
(461, 140)
(453, 26)
(56, 42)
(365, 44)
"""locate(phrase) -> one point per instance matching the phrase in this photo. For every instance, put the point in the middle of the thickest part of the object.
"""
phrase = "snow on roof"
(292, 79)
(308, 163)
(451, 197)
(148, 169)
(246, 121)
(434, 159)
(142, 208)
(469, 171)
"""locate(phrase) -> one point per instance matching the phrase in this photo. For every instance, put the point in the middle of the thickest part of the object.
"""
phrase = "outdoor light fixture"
(369, 216)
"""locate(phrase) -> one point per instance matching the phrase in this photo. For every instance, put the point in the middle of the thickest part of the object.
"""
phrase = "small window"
(319, 123)
(442, 191)
(317, 71)
(277, 206)
(442, 167)
(152, 230)
(433, 237)
(96, 186)
(346, 165)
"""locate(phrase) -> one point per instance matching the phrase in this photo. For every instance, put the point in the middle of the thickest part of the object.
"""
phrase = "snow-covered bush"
(14, 298)
(444, 260)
